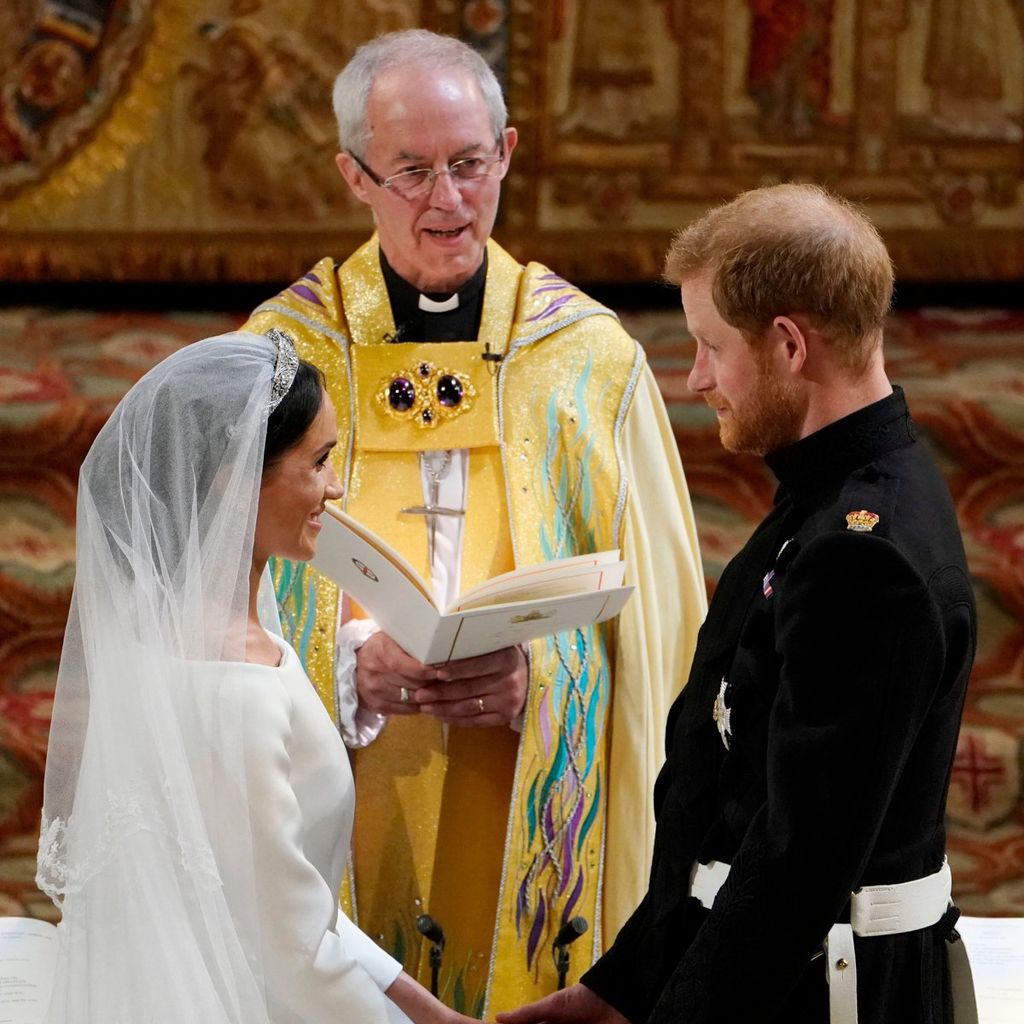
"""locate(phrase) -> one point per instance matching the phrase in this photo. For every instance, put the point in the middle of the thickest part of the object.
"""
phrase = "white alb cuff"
(358, 727)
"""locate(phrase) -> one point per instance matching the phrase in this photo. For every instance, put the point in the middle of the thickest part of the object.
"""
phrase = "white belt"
(874, 910)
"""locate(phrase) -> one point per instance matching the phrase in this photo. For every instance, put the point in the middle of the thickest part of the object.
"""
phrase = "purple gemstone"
(428, 416)
(449, 391)
(424, 369)
(401, 394)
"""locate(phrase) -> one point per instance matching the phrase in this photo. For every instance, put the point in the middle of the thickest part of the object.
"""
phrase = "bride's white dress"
(297, 801)
(320, 966)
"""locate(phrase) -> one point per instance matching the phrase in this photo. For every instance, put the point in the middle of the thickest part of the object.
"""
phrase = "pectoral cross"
(432, 509)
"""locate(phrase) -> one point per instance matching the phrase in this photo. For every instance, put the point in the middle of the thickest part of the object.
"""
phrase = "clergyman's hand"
(487, 690)
(385, 674)
(574, 1005)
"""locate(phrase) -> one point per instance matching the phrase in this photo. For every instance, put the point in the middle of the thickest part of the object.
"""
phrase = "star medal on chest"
(722, 714)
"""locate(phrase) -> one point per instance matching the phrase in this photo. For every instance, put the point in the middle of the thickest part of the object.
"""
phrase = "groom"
(809, 755)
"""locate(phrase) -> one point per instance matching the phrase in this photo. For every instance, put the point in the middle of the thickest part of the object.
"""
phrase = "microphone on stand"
(430, 929)
(567, 934)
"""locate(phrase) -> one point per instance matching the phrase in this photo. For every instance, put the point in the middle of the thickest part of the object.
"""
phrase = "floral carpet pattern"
(62, 372)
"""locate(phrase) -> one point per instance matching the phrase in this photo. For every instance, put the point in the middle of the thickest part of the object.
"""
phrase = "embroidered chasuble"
(500, 836)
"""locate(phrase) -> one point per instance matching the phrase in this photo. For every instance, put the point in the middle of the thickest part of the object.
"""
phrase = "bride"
(198, 804)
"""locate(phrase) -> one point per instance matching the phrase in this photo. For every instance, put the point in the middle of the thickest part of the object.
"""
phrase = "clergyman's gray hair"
(417, 47)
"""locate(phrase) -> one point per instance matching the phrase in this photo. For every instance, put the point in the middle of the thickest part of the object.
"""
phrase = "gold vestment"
(503, 836)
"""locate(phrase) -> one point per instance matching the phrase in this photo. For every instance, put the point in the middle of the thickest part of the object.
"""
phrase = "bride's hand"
(420, 1006)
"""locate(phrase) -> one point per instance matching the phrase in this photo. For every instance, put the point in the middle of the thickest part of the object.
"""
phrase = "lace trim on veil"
(127, 814)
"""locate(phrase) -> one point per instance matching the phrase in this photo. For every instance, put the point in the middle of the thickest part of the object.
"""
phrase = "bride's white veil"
(145, 843)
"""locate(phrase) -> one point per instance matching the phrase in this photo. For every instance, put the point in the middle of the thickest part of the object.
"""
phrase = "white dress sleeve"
(318, 967)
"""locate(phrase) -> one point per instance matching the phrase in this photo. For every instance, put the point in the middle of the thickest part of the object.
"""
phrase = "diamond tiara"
(284, 368)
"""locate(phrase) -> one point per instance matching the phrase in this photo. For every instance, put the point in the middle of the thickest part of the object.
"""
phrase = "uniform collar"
(835, 451)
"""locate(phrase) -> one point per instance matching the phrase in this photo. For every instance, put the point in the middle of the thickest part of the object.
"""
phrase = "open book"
(509, 609)
(28, 955)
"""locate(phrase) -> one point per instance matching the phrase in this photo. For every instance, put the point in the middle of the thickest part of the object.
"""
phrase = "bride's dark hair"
(293, 417)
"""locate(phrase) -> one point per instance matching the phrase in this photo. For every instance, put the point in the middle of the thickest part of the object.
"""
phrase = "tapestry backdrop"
(194, 139)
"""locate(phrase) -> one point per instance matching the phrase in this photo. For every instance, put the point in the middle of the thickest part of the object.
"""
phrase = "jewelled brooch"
(426, 395)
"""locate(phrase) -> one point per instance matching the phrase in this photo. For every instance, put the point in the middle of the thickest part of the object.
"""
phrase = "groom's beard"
(770, 417)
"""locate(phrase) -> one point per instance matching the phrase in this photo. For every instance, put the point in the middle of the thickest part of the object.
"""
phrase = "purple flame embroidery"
(551, 308)
(306, 293)
(537, 929)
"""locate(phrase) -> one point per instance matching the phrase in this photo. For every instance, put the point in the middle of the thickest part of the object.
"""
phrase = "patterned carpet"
(62, 372)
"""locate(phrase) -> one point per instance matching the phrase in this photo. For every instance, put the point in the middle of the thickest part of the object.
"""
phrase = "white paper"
(599, 571)
(482, 630)
(28, 956)
(507, 610)
(390, 591)
(995, 948)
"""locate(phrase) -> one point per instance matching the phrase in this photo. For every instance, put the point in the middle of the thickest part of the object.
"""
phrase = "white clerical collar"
(429, 305)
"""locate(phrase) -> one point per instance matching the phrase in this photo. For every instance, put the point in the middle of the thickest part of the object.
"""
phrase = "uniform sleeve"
(616, 976)
(315, 961)
(861, 649)
(657, 634)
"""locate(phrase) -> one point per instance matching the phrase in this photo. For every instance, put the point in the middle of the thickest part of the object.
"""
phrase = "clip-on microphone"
(400, 332)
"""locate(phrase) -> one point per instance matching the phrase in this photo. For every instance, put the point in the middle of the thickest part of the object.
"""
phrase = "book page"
(541, 580)
(995, 948)
(482, 630)
(28, 957)
(363, 538)
(579, 580)
(376, 576)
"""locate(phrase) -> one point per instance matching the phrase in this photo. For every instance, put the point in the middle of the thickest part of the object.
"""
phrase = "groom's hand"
(574, 1005)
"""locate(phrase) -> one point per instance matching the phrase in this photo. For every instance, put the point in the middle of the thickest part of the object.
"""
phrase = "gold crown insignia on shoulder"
(861, 521)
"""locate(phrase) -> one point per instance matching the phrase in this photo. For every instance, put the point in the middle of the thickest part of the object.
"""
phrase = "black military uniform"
(834, 662)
